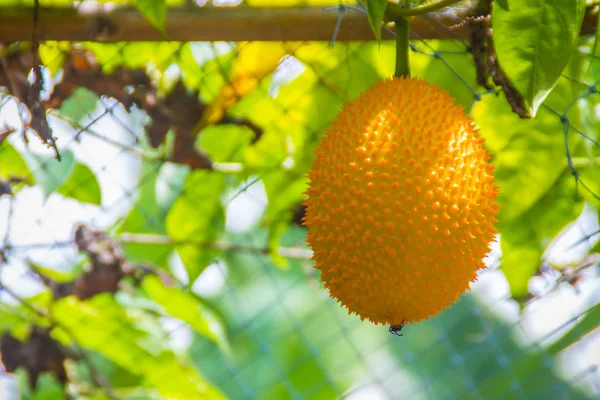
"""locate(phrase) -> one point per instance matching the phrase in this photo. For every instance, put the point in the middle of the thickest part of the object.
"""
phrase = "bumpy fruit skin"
(401, 203)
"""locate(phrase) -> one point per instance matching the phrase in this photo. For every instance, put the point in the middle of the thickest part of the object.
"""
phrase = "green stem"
(402, 60)
(395, 11)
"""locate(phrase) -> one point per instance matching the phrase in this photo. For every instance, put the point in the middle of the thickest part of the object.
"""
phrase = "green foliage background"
(272, 333)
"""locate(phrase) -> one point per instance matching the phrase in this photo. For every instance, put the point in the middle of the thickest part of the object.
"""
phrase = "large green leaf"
(375, 12)
(189, 308)
(82, 185)
(101, 324)
(529, 154)
(537, 191)
(534, 42)
(196, 219)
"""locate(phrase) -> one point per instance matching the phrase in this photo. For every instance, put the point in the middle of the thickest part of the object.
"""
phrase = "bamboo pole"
(225, 24)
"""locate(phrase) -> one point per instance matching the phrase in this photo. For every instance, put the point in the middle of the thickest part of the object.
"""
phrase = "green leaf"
(82, 185)
(224, 143)
(48, 388)
(57, 276)
(50, 173)
(524, 240)
(79, 104)
(375, 13)
(538, 196)
(503, 4)
(52, 55)
(196, 219)
(160, 185)
(529, 154)
(12, 165)
(155, 11)
(534, 42)
(189, 308)
(101, 324)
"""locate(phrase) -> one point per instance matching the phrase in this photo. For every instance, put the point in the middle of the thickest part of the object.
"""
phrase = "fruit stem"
(395, 11)
(402, 59)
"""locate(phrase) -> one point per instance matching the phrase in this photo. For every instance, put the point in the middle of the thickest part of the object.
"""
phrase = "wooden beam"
(223, 24)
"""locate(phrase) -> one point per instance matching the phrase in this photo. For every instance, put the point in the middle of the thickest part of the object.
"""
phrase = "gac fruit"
(401, 206)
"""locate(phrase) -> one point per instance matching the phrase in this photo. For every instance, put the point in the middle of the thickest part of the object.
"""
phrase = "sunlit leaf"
(52, 55)
(189, 308)
(224, 142)
(82, 185)
(196, 219)
(101, 324)
(534, 42)
(12, 164)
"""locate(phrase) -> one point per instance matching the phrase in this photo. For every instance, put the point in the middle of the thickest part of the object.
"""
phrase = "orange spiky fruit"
(401, 205)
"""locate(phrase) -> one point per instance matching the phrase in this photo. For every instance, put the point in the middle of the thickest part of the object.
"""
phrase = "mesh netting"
(166, 260)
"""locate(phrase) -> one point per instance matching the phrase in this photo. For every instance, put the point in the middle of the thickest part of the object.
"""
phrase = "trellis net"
(164, 257)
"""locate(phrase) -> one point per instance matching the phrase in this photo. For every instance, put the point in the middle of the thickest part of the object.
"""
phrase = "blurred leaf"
(52, 55)
(503, 4)
(224, 143)
(117, 376)
(588, 323)
(82, 185)
(538, 197)
(296, 3)
(48, 388)
(529, 154)
(57, 276)
(254, 61)
(81, 103)
(134, 55)
(524, 240)
(189, 308)
(101, 324)
(18, 318)
(155, 11)
(12, 164)
(442, 71)
(547, 36)
(50, 173)
(160, 185)
(375, 13)
(196, 219)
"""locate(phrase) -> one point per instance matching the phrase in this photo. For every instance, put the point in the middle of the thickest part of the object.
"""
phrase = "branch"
(160, 240)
